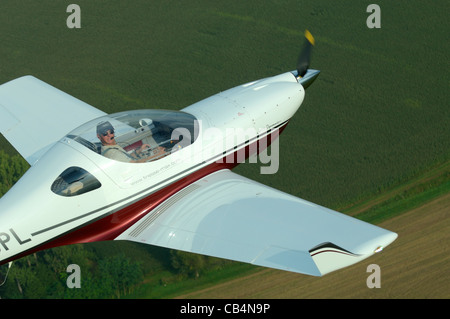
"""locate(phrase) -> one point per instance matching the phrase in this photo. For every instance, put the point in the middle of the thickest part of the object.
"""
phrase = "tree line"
(11, 170)
(45, 274)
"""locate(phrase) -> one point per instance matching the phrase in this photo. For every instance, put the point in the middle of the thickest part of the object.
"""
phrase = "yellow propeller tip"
(309, 37)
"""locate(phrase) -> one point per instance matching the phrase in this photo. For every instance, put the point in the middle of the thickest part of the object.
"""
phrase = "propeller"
(305, 55)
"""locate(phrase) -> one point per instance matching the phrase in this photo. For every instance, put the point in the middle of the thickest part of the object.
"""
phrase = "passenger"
(110, 149)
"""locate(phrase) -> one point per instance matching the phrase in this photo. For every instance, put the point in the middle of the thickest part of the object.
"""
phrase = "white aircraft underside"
(185, 197)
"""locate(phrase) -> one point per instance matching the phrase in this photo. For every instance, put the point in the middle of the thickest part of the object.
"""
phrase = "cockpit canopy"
(137, 136)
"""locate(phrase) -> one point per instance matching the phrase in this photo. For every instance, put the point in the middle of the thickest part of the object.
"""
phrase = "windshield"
(137, 136)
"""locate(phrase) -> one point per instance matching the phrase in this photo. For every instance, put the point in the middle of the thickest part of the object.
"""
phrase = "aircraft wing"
(228, 216)
(34, 115)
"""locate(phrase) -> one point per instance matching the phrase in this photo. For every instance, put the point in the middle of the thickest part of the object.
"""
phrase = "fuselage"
(110, 195)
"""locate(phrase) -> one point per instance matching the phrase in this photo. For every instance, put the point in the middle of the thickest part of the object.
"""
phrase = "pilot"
(110, 149)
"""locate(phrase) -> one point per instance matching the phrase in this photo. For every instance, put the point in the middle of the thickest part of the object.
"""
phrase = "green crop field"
(378, 115)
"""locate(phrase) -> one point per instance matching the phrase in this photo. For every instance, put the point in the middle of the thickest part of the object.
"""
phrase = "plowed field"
(416, 265)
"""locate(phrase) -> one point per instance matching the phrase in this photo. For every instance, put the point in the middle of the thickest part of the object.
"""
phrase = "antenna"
(7, 272)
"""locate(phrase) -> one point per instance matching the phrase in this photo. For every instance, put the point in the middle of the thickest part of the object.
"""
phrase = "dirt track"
(416, 265)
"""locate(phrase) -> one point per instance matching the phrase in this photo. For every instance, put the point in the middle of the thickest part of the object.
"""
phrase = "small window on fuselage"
(74, 181)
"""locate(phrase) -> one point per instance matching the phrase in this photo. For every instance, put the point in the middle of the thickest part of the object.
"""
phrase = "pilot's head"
(105, 133)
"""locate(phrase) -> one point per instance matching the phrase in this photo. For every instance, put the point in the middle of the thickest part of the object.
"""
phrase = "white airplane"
(163, 178)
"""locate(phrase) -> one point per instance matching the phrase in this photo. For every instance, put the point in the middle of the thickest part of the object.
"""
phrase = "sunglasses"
(108, 132)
